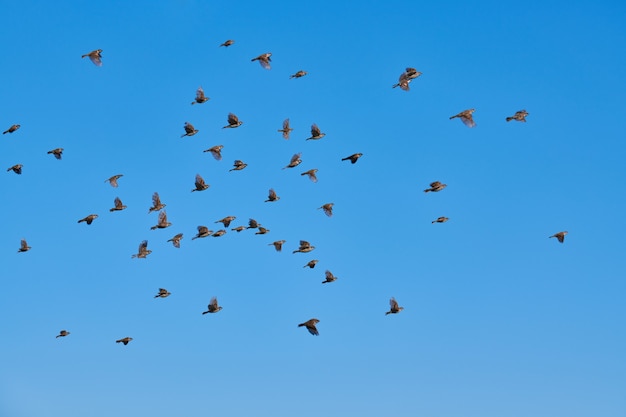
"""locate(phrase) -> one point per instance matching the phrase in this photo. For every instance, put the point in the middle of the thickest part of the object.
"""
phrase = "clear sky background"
(499, 320)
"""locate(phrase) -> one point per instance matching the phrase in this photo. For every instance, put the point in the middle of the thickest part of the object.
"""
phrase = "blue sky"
(499, 320)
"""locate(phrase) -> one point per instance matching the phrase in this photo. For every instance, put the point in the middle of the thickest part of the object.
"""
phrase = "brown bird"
(17, 168)
(226, 220)
(203, 231)
(295, 161)
(216, 151)
(143, 250)
(239, 228)
(353, 158)
(272, 196)
(162, 223)
(89, 219)
(200, 184)
(441, 219)
(189, 130)
(264, 60)
(228, 43)
(298, 74)
(58, 153)
(310, 326)
(162, 293)
(328, 209)
(286, 129)
(311, 264)
(95, 56)
(176, 240)
(113, 180)
(253, 224)
(560, 236)
(125, 340)
(406, 77)
(394, 307)
(278, 245)
(329, 277)
(262, 230)
(519, 116)
(233, 121)
(118, 205)
(316, 133)
(62, 333)
(304, 247)
(311, 173)
(238, 165)
(213, 306)
(23, 246)
(466, 117)
(200, 97)
(12, 129)
(435, 187)
(156, 203)
(219, 233)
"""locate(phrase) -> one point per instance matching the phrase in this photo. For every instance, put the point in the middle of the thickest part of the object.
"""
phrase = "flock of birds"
(406, 77)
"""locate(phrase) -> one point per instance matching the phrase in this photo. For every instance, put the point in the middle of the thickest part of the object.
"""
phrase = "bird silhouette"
(560, 236)
(435, 187)
(23, 246)
(304, 247)
(118, 206)
(156, 203)
(286, 130)
(278, 245)
(113, 180)
(213, 306)
(228, 43)
(272, 196)
(253, 224)
(311, 264)
(441, 219)
(238, 165)
(295, 161)
(394, 308)
(216, 151)
(262, 230)
(57, 152)
(353, 158)
(95, 57)
(328, 209)
(239, 228)
(226, 220)
(311, 174)
(310, 326)
(143, 250)
(176, 240)
(125, 340)
(17, 168)
(219, 233)
(200, 184)
(203, 231)
(62, 333)
(406, 77)
(519, 116)
(189, 130)
(89, 219)
(233, 121)
(466, 117)
(298, 74)
(162, 223)
(163, 293)
(264, 60)
(316, 133)
(329, 277)
(200, 97)
(12, 129)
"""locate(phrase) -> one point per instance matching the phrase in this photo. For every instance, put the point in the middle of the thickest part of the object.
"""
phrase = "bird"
(238, 165)
(118, 205)
(89, 219)
(272, 196)
(394, 308)
(226, 220)
(441, 219)
(162, 223)
(219, 233)
(264, 60)
(328, 209)
(304, 247)
(228, 43)
(12, 129)
(233, 121)
(200, 97)
(213, 306)
(519, 116)
(286, 129)
(23, 246)
(295, 161)
(156, 203)
(125, 340)
(95, 56)
(329, 277)
(262, 230)
(203, 231)
(162, 293)
(176, 240)
(278, 245)
(62, 333)
(17, 168)
(310, 326)
(312, 174)
(298, 74)
(316, 133)
(200, 184)
(189, 130)
(466, 117)
(406, 77)
(143, 250)
(113, 180)
(216, 151)
(435, 187)
(239, 228)
(560, 236)
(253, 224)
(311, 264)
(57, 152)
(353, 158)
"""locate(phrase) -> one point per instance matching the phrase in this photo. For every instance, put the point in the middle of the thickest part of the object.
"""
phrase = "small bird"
(156, 203)
(278, 245)
(441, 219)
(162, 293)
(328, 209)
(435, 187)
(519, 116)
(560, 236)
(304, 247)
(162, 223)
(176, 240)
(189, 130)
(466, 117)
(62, 333)
(95, 56)
(312, 174)
(238, 165)
(228, 43)
(12, 129)
(295, 161)
(264, 60)
(310, 326)
(239, 228)
(118, 205)
(353, 158)
(113, 180)
(58, 153)
(316, 133)
(311, 264)
(216, 151)
(200, 184)
(219, 233)
(213, 307)
(200, 97)
(298, 74)
(253, 224)
(394, 307)
(23, 246)
(406, 77)
(143, 250)
(89, 219)
(233, 121)
(125, 340)
(17, 168)
(272, 196)
(329, 277)
(203, 231)
(226, 220)
(286, 129)
(262, 230)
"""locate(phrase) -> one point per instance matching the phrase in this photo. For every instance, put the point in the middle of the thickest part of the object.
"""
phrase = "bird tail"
(82, 220)
(301, 325)
(452, 117)
(508, 119)
(153, 227)
(427, 190)
(205, 312)
(387, 313)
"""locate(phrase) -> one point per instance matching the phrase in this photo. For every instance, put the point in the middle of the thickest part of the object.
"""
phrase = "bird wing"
(272, 194)
(199, 181)
(468, 120)
(393, 304)
(304, 244)
(295, 158)
(232, 119)
(200, 95)
(96, 58)
(315, 131)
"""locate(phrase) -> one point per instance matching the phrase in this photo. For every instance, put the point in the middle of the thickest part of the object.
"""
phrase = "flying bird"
(295, 161)
(62, 333)
(176, 240)
(238, 165)
(312, 174)
(264, 60)
(12, 129)
(304, 247)
(394, 308)
(17, 168)
(89, 219)
(311, 264)
(23, 246)
(203, 231)
(519, 116)
(406, 77)
(272, 196)
(58, 153)
(216, 151)
(441, 219)
(466, 117)
(353, 158)
(162, 293)
(262, 230)
(286, 130)
(228, 43)
(310, 326)
(156, 203)
(189, 130)
(200, 97)
(328, 209)
(162, 222)
(435, 187)
(200, 184)
(233, 121)
(298, 74)
(213, 306)
(95, 56)
(316, 133)
(219, 233)
(329, 277)
(118, 205)
(226, 220)
(278, 245)
(560, 236)
(143, 250)
(113, 180)
(253, 224)
(125, 340)
(239, 228)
